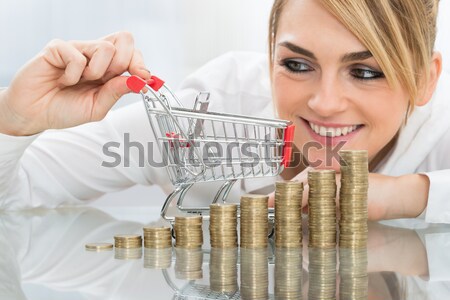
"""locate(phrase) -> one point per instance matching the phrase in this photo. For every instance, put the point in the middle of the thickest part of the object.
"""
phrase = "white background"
(176, 37)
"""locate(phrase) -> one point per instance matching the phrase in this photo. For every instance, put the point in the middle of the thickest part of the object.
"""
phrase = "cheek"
(288, 96)
(385, 117)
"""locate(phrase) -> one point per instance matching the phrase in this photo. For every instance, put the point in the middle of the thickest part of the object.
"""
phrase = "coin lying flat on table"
(99, 246)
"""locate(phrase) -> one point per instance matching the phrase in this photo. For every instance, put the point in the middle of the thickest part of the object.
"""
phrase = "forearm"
(5, 115)
(408, 196)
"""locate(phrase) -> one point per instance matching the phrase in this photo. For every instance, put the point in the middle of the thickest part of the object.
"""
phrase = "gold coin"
(99, 246)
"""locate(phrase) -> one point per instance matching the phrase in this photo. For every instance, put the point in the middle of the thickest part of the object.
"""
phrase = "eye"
(366, 74)
(296, 66)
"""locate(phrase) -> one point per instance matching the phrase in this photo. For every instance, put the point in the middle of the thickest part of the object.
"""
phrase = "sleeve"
(438, 207)
(438, 257)
(73, 165)
(81, 163)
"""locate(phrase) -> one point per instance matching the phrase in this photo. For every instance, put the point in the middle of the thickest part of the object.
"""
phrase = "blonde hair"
(400, 35)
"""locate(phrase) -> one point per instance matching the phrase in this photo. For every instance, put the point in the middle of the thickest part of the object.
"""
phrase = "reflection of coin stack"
(254, 222)
(288, 273)
(353, 199)
(128, 253)
(322, 274)
(188, 232)
(354, 282)
(223, 270)
(157, 258)
(188, 264)
(288, 214)
(254, 274)
(223, 225)
(322, 208)
(157, 237)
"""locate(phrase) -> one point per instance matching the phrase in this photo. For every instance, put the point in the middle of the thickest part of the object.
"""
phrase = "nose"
(330, 97)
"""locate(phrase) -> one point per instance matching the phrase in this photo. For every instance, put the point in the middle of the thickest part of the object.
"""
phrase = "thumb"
(108, 95)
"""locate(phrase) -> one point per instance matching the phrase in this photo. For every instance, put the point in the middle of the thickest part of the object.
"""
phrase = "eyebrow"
(356, 56)
(353, 56)
(298, 49)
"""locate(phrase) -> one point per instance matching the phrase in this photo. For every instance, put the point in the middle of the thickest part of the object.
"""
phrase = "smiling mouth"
(334, 131)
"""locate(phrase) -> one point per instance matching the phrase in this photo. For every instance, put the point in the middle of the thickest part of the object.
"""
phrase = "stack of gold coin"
(128, 241)
(354, 282)
(322, 274)
(157, 237)
(157, 258)
(288, 273)
(128, 253)
(188, 232)
(223, 225)
(322, 208)
(288, 214)
(254, 274)
(223, 270)
(353, 228)
(254, 221)
(189, 264)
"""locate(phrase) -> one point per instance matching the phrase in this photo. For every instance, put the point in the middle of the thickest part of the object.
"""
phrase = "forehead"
(308, 21)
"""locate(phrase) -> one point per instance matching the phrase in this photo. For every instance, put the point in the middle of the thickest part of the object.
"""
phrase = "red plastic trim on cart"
(136, 83)
(287, 149)
(155, 83)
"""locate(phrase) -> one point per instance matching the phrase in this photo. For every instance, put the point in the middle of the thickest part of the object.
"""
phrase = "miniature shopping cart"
(201, 146)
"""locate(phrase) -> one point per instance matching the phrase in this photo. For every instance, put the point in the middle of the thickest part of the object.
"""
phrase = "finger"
(303, 175)
(108, 95)
(137, 66)
(124, 44)
(100, 55)
(64, 56)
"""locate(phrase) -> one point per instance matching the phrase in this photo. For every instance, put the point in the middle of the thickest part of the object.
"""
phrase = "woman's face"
(331, 87)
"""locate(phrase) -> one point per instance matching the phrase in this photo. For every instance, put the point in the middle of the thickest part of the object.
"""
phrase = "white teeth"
(323, 131)
(332, 131)
(344, 131)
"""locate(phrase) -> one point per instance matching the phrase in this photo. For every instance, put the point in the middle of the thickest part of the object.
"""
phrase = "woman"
(356, 74)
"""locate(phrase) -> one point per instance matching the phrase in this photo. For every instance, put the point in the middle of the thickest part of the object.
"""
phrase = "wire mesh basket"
(201, 146)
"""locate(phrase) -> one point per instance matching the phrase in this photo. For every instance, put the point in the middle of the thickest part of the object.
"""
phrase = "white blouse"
(60, 167)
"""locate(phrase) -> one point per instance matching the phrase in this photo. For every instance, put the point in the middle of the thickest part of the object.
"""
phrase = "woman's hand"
(389, 197)
(69, 83)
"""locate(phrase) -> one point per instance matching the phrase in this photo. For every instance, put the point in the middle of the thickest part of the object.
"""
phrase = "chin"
(323, 160)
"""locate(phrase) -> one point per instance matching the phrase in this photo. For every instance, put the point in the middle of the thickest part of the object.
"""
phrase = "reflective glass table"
(43, 256)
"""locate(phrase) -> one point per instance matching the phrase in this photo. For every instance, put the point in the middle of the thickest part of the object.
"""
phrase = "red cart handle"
(136, 83)
(287, 149)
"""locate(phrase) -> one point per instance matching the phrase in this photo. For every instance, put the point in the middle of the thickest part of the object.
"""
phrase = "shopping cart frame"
(178, 130)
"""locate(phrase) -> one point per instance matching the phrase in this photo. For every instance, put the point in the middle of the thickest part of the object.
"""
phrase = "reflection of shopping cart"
(201, 146)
